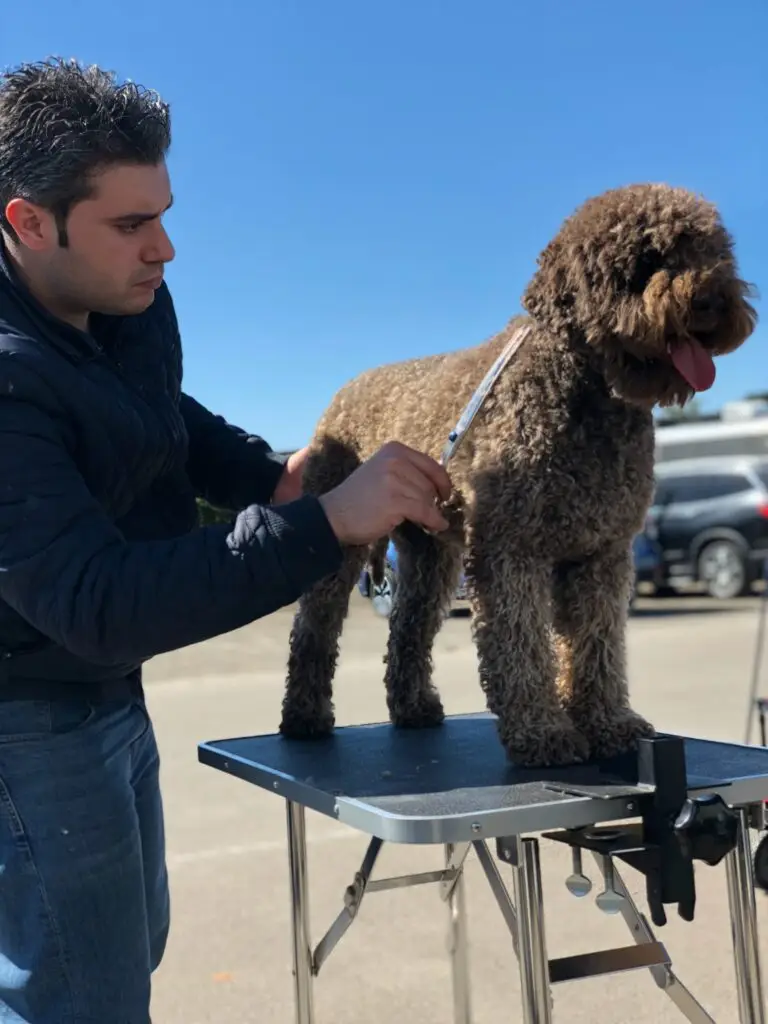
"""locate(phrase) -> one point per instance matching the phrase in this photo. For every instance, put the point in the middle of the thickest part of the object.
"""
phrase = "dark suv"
(710, 519)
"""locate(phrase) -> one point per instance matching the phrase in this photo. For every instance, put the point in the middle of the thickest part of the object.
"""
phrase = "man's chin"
(145, 300)
(130, 305)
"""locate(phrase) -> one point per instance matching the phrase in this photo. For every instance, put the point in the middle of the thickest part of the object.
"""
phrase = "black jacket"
(102, 561)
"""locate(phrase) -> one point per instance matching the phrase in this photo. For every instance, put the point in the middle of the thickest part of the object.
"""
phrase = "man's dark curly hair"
(62, 122)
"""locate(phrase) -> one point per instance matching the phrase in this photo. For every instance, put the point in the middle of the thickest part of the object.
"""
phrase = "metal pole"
(534, 961)
(302, 949)
(458, 944)
(741, 900)
(758, 657)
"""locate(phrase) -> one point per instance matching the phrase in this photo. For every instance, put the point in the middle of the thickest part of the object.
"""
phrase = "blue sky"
(357, 183)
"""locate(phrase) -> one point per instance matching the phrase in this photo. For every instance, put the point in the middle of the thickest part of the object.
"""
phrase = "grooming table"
(676, 801)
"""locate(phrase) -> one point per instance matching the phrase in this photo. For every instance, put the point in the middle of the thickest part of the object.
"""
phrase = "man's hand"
(396, 484)
(289, 486)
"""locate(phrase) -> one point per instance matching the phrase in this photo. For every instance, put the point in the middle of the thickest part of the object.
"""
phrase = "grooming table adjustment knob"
(609, 900)
(353, 894)
(577, 883)
(707, 828)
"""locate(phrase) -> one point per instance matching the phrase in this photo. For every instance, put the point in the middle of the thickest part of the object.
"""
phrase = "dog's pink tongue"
(693, 362)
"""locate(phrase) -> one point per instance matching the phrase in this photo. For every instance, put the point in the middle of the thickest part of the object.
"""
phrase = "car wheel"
(383, 594)
(722, 570)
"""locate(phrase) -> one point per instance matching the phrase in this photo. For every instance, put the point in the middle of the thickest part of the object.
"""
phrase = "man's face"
(117, 246)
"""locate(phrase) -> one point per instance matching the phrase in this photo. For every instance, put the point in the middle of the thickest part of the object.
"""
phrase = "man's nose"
(166, 251)
(160, 250)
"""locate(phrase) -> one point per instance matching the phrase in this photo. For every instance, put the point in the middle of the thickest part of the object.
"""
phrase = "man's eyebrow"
(140, 218)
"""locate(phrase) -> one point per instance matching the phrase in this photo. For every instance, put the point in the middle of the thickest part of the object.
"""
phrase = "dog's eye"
(704, 304)
(648, 264)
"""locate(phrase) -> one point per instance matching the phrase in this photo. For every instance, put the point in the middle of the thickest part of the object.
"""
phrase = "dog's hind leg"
(511, 595)
(314, 642)
(591, 604)
(314, 650)
(427, 573)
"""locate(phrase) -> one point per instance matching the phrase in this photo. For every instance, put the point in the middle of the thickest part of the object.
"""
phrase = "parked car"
(647, 556)
(383, 594)
(710, 519)
(646, 552)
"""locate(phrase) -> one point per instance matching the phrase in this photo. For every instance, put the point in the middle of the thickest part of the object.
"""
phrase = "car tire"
(722, 569)
(382, 596)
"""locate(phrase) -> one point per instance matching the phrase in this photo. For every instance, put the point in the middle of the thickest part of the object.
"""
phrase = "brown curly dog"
(630, 302)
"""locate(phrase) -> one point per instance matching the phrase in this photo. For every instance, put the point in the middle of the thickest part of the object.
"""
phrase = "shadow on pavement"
(648, 608)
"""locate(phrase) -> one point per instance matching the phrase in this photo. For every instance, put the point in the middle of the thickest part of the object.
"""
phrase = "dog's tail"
(377, 559)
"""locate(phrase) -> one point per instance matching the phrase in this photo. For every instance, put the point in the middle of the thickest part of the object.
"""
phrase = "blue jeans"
(84, 906)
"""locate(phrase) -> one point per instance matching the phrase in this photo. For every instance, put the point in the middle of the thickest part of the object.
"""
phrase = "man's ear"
(35, 227)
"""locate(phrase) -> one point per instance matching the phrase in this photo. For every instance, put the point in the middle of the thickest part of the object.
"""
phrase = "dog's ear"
(603, 256)
(549, 297)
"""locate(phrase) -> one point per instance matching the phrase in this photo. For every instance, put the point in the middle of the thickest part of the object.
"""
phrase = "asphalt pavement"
(229, 955)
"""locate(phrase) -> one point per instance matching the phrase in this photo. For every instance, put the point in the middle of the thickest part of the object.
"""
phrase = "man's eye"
(129, 229)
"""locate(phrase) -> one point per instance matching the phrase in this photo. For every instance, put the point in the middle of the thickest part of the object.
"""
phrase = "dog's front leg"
(511, 625)
(591, 604)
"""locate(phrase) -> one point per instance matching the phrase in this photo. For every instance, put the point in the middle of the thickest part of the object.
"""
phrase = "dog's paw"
(425, 711)
(306, 724)
(616, 733)
(533, 744)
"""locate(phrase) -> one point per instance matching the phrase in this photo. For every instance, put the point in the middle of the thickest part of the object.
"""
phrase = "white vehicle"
(710, 439)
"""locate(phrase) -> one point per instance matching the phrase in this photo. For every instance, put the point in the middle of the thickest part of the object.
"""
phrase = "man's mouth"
(692, 361)
(151, 282)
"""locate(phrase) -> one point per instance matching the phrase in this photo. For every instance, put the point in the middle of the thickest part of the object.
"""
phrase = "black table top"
(454, 782)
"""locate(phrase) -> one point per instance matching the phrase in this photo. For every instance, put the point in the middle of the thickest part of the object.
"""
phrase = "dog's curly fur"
(550, 486)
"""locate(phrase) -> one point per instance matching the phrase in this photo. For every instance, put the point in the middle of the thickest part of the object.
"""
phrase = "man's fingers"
(424, 514)
(436, 473)
(414, 483)
(428, 467)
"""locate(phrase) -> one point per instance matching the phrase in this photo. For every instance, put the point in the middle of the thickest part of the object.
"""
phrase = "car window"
(762, 474)
(723, 484)
(662, 492)
(705, 486)
(690, 488)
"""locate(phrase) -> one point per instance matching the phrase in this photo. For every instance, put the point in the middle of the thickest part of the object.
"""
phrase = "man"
(102, 561)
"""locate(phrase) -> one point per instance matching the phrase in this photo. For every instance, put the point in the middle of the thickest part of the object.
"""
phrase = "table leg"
(534, 962)
(302, 948)
(741, 899)
(458, 944)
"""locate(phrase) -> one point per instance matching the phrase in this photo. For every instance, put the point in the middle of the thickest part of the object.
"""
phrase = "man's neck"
(50, 302)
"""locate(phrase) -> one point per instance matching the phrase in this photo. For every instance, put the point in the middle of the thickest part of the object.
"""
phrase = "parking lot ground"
(228, 959)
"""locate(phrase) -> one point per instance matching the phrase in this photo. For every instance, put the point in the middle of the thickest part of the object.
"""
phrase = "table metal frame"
(523, 908)
(523, 913)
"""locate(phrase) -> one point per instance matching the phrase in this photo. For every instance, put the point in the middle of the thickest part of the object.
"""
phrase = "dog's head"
(646, 277)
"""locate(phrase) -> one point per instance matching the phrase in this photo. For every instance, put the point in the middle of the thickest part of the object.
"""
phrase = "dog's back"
(416, 402)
